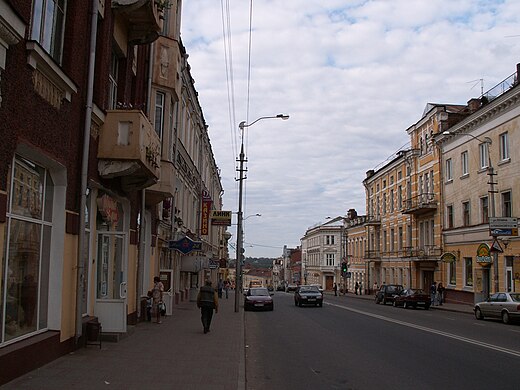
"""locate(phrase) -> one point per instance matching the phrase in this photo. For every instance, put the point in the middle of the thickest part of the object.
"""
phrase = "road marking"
(430, 330)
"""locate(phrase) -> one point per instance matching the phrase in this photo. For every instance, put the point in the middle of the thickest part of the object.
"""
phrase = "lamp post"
(491, 173)
(240, 233)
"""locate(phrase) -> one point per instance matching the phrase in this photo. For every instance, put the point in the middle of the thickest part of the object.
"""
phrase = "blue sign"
(185, 245)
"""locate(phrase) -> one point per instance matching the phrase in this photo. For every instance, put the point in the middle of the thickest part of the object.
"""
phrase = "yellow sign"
(219, 217)
(483, 254)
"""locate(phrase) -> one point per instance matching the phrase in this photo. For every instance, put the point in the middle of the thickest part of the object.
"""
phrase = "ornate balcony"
(142, 19)
(165, 186)
(373, 220)
(428, 252)
(420, 204)
(373, 254)
(129, 149)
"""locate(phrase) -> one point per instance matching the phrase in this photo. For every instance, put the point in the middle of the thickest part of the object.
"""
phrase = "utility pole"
(492, 192)
(239, 247)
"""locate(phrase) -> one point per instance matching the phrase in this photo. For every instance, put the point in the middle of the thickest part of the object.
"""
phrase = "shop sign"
(448, 257)
(221, 218)
(483, 254)
(107, 207)
(206, 210)
(185, 245)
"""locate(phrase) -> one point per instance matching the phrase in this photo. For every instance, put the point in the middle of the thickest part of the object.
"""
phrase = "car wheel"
(320, 304)
(478, 314)
(426, 307)
(295, 303)
(384, 301)
(505, 317)
(377, 300)
(300, 304)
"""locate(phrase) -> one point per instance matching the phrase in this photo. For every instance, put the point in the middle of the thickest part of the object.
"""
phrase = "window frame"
(449, 170)
(464, 163)
(504, 147)
(49, 35)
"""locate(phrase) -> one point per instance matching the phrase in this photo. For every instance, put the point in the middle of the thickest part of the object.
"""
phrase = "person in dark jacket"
(207, 301)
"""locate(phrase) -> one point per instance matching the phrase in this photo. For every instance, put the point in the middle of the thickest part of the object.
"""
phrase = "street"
(352, 343)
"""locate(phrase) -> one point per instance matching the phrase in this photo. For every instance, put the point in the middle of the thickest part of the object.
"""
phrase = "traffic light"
(344, 269)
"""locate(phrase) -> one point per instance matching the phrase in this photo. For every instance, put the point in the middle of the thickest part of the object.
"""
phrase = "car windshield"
(309, 289)
(416, 291)
(515, 297)
(258, 292)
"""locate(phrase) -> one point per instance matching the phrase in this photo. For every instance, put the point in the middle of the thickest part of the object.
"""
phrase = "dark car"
(258, 298)
(502, 305)
(308, 295)
(387, 292)
(412, 297)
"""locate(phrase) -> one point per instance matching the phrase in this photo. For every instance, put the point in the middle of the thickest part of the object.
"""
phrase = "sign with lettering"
(185, 245)
(221, 218)
(483, 254)
(206, 210)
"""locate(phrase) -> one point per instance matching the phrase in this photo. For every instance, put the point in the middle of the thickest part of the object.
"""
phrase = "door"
(111, 305)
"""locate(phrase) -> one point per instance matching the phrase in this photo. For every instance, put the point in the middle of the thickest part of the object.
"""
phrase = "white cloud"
(353, 75)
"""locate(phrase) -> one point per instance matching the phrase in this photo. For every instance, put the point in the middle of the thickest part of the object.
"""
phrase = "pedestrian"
(226, 288)
(149, 306)
(220, 288)
(375, 287)
(335, 288)
(360, 289)
(207, 301)
(157, 296)
(433, 293)
(440, 293)
(356, 287)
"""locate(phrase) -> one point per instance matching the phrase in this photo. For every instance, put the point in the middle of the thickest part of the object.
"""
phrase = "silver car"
(502, 305)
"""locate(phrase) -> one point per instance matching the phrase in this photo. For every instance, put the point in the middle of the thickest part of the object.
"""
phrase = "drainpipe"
(84, 174)
(142, 221)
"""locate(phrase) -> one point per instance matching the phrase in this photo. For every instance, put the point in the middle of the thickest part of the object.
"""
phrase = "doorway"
(111, 304)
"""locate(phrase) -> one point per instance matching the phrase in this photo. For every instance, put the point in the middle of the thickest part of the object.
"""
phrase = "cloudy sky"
(353, 76)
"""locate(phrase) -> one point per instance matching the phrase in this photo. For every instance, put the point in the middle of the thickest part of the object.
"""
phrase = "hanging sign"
(483, 254)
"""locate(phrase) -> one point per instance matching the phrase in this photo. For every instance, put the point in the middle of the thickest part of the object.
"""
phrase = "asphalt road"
(356, 344)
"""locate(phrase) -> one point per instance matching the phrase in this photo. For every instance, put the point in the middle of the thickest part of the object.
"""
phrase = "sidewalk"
(173, 355)
(456, 307)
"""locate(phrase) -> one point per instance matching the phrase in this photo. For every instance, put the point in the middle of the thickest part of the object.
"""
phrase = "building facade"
(105, 162)
(481, 181)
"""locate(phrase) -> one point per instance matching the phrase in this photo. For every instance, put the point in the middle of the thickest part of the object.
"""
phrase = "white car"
(503, 305)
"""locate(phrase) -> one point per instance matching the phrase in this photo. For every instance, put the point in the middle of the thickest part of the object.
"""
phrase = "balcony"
(427, 252)
(165, 186)
(129, 150)
(420, 204)
(373, 254)
(373, 220)
(142, 19)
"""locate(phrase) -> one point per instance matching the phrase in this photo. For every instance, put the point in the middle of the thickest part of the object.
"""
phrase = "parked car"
(503, 305)
(319, 287)
(412, 297)
(258, 298)
(387, 292)
(308, 295)
(280, 288)
(291, 287)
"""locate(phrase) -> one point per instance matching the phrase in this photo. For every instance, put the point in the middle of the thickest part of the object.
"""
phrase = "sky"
(352, 75)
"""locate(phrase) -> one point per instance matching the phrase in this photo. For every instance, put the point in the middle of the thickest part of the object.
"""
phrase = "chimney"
(474, 104)
(370, 173)
(352, 214)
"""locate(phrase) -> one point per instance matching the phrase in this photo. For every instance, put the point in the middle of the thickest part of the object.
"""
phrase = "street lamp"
(491, 192)
(240, 233)
(253, 215)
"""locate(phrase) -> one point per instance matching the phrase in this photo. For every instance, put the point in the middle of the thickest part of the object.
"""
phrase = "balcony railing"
(427, 252)
(374, 220)
(373, 254)
(129, 148)
(420, 204)
(165, 186)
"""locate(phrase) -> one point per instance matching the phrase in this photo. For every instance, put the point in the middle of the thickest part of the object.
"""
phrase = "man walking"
(207, 301)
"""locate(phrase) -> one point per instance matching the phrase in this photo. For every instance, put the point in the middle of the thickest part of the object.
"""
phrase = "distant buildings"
(428, 210)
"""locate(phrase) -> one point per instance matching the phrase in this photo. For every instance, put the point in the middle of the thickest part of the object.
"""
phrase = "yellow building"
(481, 181)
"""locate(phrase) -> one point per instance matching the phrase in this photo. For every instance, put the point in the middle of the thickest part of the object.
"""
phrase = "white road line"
(430, 330)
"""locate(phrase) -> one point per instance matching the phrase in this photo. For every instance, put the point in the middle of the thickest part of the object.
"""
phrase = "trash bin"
(93, 333)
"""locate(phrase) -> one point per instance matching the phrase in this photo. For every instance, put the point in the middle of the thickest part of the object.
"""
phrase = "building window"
(484, 209)
(392, 238)
(27, 257)
(399, 175)
(449, 172)
(449, 216)
(329, 258)
(385, 241)
(483, 155)
(384, 204)
(504, 146)
(329, 240)
(465, 214)
(507, 210)
(464, 163)
(112, 82)
(159, 113)
(48, 21)
(400, 238)
(400, 197)
(452, 273)
(391, 200)
(468, 271)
